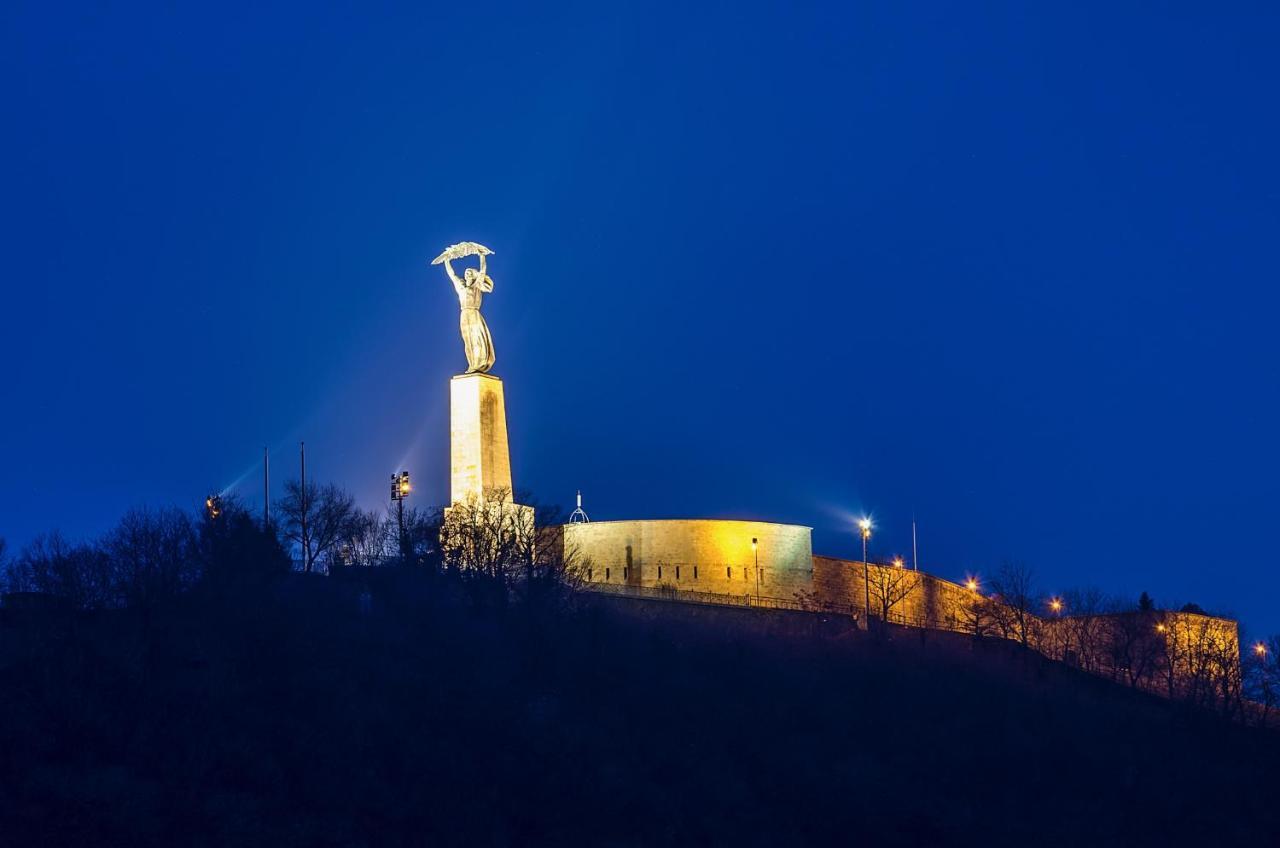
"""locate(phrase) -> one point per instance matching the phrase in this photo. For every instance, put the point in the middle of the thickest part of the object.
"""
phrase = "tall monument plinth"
(480, 489)
(480, 460)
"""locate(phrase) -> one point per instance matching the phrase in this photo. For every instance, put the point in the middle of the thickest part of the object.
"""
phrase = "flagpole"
(915, 551)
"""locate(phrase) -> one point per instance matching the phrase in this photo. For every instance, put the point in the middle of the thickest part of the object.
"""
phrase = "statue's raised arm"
(482, 278)
(457, 281)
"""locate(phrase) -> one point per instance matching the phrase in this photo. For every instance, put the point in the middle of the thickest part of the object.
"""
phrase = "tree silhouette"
(553, 567)
(1262, 678)
(1134, 644)
(376, 539)
(499, 546)
(422, 538)
(372, 540)
(153, 556)
(318, 521)
(1084, 627)
(78, 574)
(890, 585)
(1013, 586)
(979, 615)
(238, 552)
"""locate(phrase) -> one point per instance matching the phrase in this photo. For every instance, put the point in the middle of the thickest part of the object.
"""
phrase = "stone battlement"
(1174, 653)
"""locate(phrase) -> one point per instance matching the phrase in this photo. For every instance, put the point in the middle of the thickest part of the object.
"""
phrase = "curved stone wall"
(697, 555)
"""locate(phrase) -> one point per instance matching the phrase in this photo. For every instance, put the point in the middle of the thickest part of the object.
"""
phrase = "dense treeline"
(184, 681)
(499, 550)
(504, 553)
(1182, 653)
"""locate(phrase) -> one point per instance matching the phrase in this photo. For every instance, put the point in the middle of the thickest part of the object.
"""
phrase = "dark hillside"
(311, 715)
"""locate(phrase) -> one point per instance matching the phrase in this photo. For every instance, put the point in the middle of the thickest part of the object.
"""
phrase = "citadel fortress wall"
(716, 556)
(697, 555)
(925, 600)
(700, 557)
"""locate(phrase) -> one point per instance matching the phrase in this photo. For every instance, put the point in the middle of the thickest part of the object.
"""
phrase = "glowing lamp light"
(971, 584)
(400, 487)
(1055, 604)
(1160, 628)
(1260, 649)
(897, 562)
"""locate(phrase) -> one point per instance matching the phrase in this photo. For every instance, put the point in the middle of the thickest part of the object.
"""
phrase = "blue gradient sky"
(1013, 271)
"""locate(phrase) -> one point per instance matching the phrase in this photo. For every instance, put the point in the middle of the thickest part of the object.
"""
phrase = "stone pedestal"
(480, 457)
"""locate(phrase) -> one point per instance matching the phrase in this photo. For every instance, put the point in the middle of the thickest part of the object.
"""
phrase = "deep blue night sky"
(1013, 271)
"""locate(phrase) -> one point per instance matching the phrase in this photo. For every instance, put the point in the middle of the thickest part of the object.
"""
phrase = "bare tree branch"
(318, 521)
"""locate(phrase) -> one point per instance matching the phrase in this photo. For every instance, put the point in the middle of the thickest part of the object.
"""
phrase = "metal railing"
(949, 623)
(718, 599)
(688, 596)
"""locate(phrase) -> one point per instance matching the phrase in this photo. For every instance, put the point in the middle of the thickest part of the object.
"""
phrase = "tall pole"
(266, 488)
(915, 551)
(306, 564)
(865, 526)
(866, 577)
(399, 491)
(755, 554)
(400, 523)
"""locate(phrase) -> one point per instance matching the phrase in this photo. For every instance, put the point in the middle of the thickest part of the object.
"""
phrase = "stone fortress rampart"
(1167, 652)
(697, 555)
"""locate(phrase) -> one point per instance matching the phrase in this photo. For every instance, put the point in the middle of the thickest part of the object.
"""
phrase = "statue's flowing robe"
(475, 332)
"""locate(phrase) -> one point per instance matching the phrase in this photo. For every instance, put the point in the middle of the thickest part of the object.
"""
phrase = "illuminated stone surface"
(480, 460)
(697, 555)
(471, 288)
(932, 601)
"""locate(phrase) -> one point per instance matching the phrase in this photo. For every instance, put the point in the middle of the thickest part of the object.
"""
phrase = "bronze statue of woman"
(471, 288)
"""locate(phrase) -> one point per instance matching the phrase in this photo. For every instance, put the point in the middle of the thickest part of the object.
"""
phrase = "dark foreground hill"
(318, 715)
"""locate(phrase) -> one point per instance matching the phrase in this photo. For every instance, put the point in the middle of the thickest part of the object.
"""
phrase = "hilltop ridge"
(395, 711)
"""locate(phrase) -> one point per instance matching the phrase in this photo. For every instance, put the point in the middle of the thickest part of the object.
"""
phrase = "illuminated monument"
(480, 459)
(743, 563)
(471, 289)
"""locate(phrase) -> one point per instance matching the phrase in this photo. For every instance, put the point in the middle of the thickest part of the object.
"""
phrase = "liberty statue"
(471, 288)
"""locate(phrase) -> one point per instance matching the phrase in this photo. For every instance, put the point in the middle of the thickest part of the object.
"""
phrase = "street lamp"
(1055, 604)
(971, 584)
(897, 562)
(864, 526)
(1260, 649)
(400, 489)
(755, 554)
(213, 507)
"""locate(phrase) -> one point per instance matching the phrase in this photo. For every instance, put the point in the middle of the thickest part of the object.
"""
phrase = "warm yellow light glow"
(1260, 649)
(971, 584)
(897, 561)
(1160, 628)
(1055, 605)
(865, 524)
